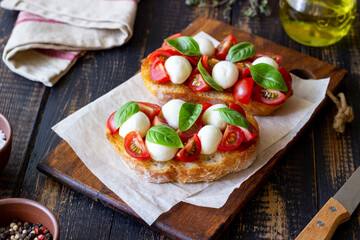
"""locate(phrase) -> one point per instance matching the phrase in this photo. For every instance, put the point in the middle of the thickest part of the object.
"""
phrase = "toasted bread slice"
(207, 168)
(164, 92)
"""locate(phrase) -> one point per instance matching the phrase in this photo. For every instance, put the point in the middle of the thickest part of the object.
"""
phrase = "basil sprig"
(189, 113)
(164, 135)
(185, 45)
(208, 78)
(233, 117)
(267, 76)
(240, 52)
(125, 112)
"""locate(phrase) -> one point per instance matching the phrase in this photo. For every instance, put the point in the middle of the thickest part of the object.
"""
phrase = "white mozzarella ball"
(178, 68)
(266, 60)
(171, 112)
(211, 117)
(210, 137)
(225, 74)
(137, 122)
(206, 46)
(160, 152)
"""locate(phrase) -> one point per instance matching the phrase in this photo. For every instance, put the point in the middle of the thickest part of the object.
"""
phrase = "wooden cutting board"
(186, 221)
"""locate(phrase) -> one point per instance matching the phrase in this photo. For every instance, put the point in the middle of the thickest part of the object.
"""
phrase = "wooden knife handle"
(325, 222)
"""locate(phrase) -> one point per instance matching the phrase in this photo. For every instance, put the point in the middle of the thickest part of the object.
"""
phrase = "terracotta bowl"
(30, 211)
(5, 126)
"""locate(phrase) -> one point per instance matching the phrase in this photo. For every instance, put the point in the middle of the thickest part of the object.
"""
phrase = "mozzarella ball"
(266, 60)
(160, 152)
(137, 122)
(210, 137)
(171, 112)
(206, 46)
(178, 69)
(225, 74)
(211, 117)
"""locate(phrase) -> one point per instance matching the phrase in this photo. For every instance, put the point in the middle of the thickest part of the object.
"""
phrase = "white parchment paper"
(84, 131)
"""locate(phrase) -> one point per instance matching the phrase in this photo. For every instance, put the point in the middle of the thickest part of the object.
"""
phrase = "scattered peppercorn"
(24, 231)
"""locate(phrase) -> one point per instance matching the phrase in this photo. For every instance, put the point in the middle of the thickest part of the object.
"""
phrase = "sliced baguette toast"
(207, 168)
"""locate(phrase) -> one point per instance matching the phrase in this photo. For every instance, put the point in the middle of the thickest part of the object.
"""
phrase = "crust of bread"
(164, 92)
(208, 168)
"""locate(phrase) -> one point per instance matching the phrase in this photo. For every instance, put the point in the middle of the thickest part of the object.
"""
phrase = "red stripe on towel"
(29, 17)
(61, 54)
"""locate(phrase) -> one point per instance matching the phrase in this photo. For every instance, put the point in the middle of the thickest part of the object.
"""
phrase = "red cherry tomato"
(158, 72)
(223, 48)
(194, 60)
(248, 136)
(286, 76)
(165, 45)
(232, 138)
(150, 109)
(191, 151)
(158, 120)
(212, 62)
(204, 62)
(195, 128)
(244, 71)
(205, 106)
(197, 82)
(110, 124)
(163, 54)
(135, 147)
(268, 96)
(237, 108)
(277, 58)
(243, 90)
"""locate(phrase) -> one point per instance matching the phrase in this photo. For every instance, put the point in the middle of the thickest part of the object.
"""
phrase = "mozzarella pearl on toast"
(160, 152)
(211, 117)
(171, 112)
(137, 122)
(178, 69)
(210, 137)
(266, 60)
(206, 46)
(225, 74)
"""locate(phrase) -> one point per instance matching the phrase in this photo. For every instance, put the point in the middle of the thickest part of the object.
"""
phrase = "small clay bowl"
(27, 210)
(5, 151)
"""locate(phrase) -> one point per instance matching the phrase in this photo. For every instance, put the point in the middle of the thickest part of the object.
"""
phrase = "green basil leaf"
(185, 45)
(189, 113)
(164, 135)
(267, 76)
(240, 52)
(233, 117)
(208, 78)
(125, 112)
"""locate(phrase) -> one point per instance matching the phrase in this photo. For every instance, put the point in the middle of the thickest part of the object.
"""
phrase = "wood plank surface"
(196, 222)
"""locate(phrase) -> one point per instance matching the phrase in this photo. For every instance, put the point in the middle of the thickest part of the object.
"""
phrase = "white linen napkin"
(84, 131)
(50, 35)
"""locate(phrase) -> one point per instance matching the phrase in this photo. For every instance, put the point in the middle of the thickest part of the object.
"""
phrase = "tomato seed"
(269, 95)
(134, 148)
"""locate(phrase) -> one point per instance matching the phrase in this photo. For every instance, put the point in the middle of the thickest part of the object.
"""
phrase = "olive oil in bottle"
(315, 22)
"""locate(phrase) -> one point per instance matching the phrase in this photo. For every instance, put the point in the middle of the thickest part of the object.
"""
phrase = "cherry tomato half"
(286, 76)
(204, 62)
(158, 72)
(223, 48)
(248, 136)
(191, 151)
(243, 90)
(194, 60)
(110, 124)
(134, 145)
(165, 45)
(158, 120)
(150, 109)
(232, 138)
(197, 82)
(268, 96)
(212, 62)
(205, 106)
(195, 128)
(244, 71)
(162, 53)
(237, 108)
(277, 58)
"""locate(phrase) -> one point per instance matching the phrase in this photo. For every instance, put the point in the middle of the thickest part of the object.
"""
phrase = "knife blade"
(337, 210)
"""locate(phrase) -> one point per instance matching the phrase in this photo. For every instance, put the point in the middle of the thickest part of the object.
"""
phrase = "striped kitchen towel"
(50, 35)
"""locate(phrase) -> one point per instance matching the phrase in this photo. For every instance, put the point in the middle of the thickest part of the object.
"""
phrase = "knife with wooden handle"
(336, 211)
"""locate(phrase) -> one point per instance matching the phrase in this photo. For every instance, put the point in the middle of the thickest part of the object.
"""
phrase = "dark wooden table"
(311, 172)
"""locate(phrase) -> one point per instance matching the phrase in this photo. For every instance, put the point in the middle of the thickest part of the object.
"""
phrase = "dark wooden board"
(185, 221)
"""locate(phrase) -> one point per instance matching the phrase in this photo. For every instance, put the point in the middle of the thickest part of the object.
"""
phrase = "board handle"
(325, 222)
